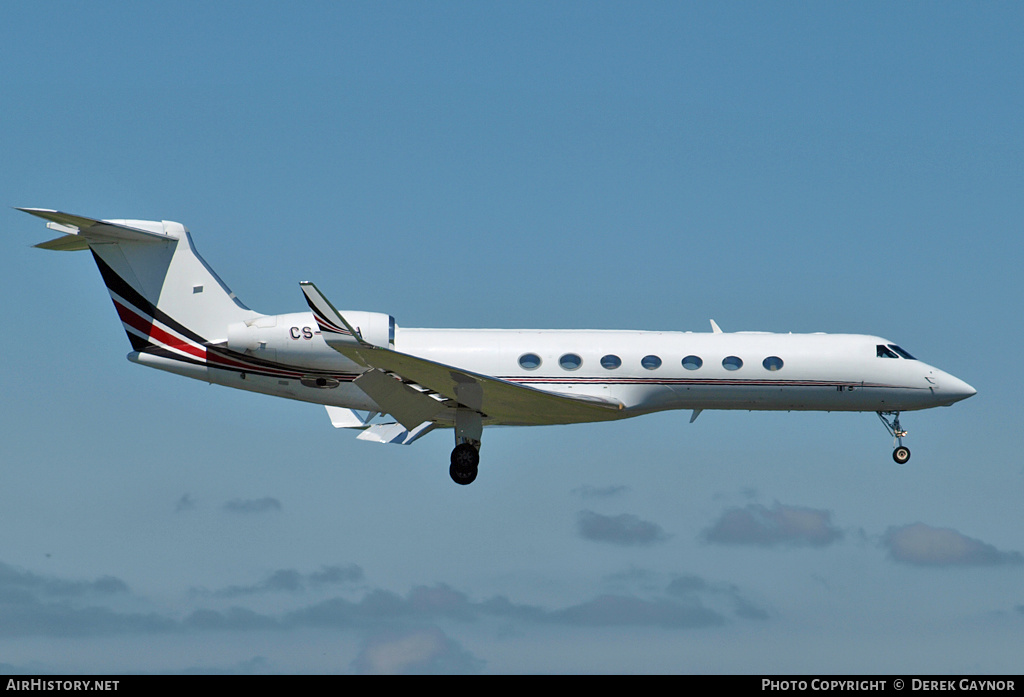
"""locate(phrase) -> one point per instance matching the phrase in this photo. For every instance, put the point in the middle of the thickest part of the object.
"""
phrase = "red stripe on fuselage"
(141, 324)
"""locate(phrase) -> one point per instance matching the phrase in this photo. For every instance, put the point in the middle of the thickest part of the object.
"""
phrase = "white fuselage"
(830, 372)
(825, 372)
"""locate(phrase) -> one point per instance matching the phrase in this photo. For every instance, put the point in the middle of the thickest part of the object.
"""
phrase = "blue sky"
(784, 167)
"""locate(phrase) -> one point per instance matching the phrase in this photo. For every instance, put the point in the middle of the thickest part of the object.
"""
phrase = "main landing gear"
(465, 459)
(901, 453)
(466, 455)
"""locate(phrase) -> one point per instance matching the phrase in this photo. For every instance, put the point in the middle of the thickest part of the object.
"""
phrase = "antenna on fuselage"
(715, 329)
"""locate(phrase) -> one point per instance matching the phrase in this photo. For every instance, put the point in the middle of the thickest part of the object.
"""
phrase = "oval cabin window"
(570, 361)
(732, 363)
(529, 361)
(651, 362)
(692, 362)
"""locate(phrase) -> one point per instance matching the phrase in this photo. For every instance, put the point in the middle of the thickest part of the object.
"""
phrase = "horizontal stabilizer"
(72, 242)
(80, 230)
(396, 433)
(347, 418)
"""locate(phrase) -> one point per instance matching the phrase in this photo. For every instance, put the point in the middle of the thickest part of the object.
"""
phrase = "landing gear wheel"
(465, 456)
(462, 476)
(465, 459)
(902, 453)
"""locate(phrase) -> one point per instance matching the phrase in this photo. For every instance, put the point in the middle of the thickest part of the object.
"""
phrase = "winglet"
(333, 327)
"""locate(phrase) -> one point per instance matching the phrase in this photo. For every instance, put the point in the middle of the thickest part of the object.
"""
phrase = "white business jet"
(397, 384)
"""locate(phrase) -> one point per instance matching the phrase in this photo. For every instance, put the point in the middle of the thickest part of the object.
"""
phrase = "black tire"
(462, 476)
(465, 459)
(465, 456)
(900, 455)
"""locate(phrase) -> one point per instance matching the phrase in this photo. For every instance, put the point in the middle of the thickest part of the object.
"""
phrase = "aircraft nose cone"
(956, 389)
(964, 389)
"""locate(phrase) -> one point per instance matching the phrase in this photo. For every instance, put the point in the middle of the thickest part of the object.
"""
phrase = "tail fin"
(169, 300)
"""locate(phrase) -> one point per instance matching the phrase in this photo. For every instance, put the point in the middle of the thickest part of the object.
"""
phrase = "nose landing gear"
(901, 453)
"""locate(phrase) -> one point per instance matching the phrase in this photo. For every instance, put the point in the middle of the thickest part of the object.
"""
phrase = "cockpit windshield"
(903, 353)
(892, 351)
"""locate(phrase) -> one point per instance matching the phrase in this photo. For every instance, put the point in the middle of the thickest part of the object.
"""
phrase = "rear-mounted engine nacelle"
(295, 337)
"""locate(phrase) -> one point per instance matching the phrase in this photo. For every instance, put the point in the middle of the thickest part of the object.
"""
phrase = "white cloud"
(624, 529)
(924, 545)
(417, 651)
(758, 525)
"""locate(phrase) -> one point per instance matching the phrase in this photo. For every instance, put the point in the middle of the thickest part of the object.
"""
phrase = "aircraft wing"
(499, 401)
(496, 399)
